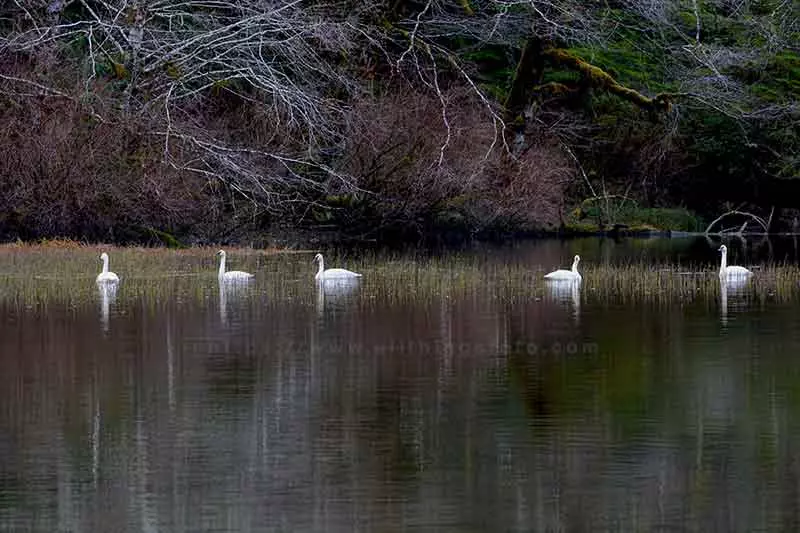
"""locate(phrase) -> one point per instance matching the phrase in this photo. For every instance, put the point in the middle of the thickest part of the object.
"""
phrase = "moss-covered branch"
(467, 7)
(598, 78)
(556, 89)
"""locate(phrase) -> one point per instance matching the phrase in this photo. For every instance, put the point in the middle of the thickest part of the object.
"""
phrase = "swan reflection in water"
(108, 295)
(564, 291)
(336, 291)
(730, 286)
(229, 291)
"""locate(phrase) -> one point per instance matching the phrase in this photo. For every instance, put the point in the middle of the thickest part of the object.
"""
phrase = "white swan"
(566, 275)
(105, 276)
(233, 275)
(726, 271)
(332, 273)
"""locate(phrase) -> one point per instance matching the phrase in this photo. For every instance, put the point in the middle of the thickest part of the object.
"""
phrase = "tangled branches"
(166, 63)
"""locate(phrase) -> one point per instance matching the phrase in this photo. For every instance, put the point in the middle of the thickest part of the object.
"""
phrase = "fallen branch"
(760, 221)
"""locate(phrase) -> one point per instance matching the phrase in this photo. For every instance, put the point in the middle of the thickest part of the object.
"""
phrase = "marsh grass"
(685, 283)
(621, 283)
(79, 261)
(39, 275)
(65, 272)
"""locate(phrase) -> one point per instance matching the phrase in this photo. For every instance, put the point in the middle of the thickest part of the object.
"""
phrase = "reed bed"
(37, 276)
(681, 283)
(622, 283)
(66, 273)
(82, 261)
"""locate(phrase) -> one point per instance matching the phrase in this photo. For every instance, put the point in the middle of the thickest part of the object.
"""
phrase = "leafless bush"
(66, 172)
(397, 156)
(164, 61)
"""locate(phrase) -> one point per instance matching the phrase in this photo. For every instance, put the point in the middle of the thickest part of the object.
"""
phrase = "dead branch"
(760, 221)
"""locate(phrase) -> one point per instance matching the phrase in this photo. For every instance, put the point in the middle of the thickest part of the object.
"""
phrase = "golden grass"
(665, 282)
(66, 270)
(681, 283)
(70, 244)
(46, 244)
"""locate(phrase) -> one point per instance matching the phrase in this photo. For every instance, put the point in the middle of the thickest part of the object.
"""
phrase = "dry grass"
(45, 244)
(614, 283)
(667, 282)
(65, 269)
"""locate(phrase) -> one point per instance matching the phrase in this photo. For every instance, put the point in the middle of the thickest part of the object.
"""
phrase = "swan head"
(318, 258)
(576, 259)
(104, 256)
(221, 252)
(723, 249)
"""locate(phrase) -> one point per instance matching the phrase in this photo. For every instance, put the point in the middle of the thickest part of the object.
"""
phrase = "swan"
(105, 276)
(726, 271)
(233, 275)
(332, 273)
(566, 275)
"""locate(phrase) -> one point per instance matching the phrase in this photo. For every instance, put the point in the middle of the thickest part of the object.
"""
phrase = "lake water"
(450, 391)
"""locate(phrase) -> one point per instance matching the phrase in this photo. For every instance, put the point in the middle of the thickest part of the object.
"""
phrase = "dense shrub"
(414, 174)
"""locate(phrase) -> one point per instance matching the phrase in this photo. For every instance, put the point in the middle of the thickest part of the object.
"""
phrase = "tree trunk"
(527, 76)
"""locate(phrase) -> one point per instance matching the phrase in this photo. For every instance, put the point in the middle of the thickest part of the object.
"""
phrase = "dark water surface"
(450, 394)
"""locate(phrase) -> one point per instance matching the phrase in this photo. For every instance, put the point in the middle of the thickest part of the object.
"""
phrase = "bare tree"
(171, 58)
(259, 95)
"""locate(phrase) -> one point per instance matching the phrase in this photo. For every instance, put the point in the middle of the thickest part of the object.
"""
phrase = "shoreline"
(300, 245)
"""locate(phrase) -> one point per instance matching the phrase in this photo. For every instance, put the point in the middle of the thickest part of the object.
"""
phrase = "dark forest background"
(199, 121)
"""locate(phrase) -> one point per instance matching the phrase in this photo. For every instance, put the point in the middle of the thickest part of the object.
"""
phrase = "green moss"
(675, 219)
(582, 227)
(343, 200)
(591, 215)
(165, 239)
(561, 76)
(494, 69)
(778, 80)
(630, 60)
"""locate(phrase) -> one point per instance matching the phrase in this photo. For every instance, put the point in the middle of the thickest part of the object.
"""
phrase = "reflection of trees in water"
(415, 413)
(659, 429)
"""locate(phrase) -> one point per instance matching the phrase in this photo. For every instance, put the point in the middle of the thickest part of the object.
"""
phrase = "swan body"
(566, 275)
(332, 273)
(733, 271)
(232, 275)
(105, 276)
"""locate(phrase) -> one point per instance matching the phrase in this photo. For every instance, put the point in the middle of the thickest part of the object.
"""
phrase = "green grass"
(587, 217)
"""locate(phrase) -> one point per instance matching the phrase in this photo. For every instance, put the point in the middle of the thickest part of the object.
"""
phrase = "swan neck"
(723, 262)
(105, 265)
(222, 265)
(321, 266)
(575, 266)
